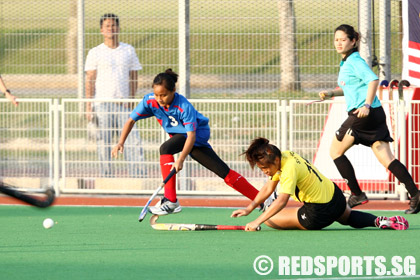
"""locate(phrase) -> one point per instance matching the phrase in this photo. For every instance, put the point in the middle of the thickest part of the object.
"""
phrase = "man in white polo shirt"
(111, 73)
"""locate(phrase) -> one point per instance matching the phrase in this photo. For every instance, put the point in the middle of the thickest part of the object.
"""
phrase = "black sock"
(347, 172)
(358, 219)
(401, 172)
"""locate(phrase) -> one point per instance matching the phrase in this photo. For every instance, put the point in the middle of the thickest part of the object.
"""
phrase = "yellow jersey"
(299, 178)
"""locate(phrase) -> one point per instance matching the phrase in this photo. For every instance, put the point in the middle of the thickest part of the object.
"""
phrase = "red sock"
(166, 162)
(239, 183)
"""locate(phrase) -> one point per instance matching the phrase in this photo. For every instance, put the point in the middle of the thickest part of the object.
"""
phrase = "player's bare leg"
(285, 219)
(383, 153)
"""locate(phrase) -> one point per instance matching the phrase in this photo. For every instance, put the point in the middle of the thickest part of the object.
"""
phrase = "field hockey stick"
(401, 85)
(143, 212)
(41, 203)
(315, 101)
(382, 85)
(191, 227)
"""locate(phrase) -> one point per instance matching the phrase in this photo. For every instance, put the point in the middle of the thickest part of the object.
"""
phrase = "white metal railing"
(233, 125)
(26, 143)
(48, 142)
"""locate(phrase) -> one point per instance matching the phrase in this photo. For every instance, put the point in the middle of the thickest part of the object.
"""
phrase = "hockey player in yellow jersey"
(294, 176)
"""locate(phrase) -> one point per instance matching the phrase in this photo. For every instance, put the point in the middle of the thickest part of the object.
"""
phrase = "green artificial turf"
(110, 243)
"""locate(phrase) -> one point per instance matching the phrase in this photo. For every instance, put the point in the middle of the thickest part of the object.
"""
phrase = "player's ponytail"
(171, 73)
(260, 151)
(168, 79)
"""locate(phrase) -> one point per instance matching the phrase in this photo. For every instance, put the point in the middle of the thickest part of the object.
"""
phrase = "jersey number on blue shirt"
(173, 122)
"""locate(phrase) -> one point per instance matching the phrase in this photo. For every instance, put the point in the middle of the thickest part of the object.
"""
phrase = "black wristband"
(367, 106)
(8, 91)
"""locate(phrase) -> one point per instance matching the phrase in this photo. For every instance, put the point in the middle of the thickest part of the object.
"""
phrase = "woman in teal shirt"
(366, 122)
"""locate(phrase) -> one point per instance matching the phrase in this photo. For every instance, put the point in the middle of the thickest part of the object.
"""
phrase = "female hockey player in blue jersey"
(189, 134)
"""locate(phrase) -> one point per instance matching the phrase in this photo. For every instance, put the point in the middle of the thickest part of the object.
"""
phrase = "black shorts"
(365, 131)
(315, 216)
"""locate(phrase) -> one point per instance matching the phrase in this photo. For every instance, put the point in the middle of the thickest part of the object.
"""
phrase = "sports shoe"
(396, 222)
(414, 205)
(268, 201)
(355, 200)
(379, 219)
(165, 207)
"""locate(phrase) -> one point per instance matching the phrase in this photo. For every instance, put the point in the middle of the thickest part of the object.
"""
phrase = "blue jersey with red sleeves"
(181, 117)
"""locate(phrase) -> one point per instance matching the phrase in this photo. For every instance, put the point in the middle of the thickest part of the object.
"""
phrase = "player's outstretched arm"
(239, 213)
(271, 211)
(330, 93)
(7, 92)
(188, 146)
(11, 97)
(128, 126)
(262, 195)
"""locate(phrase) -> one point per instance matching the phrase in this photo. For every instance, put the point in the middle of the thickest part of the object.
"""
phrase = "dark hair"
(351, 33)
(109, 16)
(167, 79)
(260, 151)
